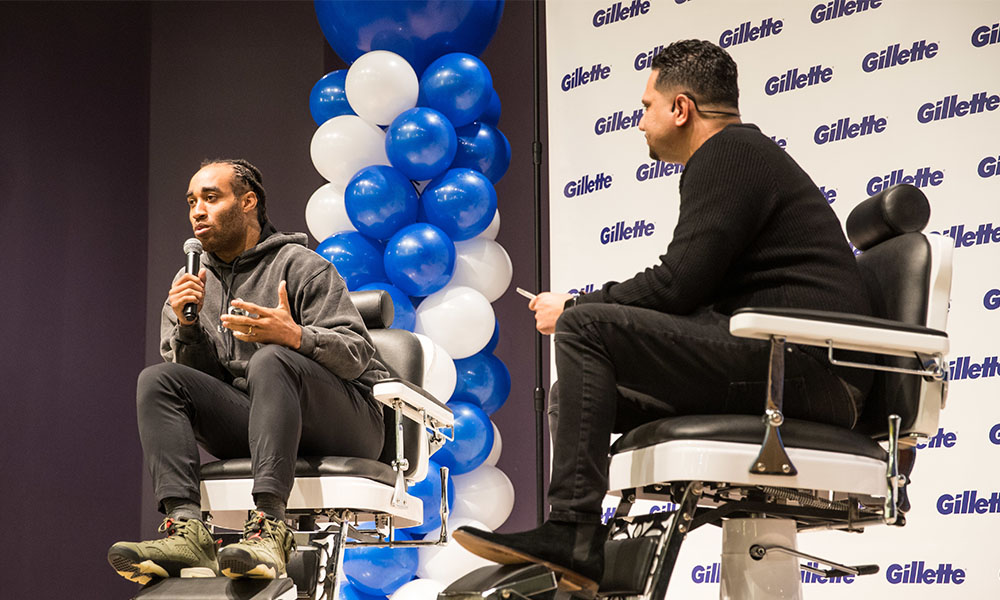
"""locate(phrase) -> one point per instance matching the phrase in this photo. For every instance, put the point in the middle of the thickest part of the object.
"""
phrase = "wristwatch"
(571, 302)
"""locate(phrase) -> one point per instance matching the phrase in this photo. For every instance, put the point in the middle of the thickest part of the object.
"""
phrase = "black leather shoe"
(575, 551)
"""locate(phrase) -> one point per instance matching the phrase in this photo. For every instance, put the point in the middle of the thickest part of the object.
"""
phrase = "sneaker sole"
(569, 581)
(239, 564)
(129, 567)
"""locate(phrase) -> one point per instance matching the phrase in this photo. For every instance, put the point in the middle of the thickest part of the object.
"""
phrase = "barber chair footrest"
(627, 564)
(219, 588)
(500, 582)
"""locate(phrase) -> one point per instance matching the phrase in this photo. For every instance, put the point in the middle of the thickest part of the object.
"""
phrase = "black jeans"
(621, 366)
(292, 406)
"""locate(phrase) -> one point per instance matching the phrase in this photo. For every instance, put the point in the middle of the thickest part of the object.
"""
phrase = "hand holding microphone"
(187, 293)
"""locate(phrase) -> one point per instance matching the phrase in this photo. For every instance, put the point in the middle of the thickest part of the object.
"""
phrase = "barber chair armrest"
(418, 405)
(843, 330)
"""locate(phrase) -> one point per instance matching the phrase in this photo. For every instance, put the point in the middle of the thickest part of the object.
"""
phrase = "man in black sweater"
(753, 230)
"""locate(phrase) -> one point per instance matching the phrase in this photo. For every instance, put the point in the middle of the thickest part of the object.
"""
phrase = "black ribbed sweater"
(753, 230)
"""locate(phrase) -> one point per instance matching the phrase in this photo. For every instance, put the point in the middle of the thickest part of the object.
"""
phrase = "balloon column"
(409, 144)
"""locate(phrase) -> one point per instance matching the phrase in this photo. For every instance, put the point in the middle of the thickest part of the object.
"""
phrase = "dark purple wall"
(509, 58)
(74, 120)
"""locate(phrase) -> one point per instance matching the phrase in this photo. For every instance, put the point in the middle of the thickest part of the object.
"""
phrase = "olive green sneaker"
(262, 554)
(187, 551)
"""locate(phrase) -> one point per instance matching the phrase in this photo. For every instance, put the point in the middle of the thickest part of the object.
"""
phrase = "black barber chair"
(763, 479)
(333, 494)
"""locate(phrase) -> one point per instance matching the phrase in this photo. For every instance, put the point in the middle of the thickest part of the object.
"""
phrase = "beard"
(227, 234)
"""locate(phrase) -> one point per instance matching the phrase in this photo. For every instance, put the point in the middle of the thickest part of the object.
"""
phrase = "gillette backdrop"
(864, 94)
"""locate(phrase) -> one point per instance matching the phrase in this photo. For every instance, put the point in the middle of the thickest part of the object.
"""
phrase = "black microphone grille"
(192, 245)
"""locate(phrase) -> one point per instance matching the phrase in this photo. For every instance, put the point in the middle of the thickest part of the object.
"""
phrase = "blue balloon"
(417, 31)
(462, 202)
(482, 148)
(491, 345)
(380, 201)
(349, 592)
(459, 86)
(429, 492)
(483, 380)
(421, 143)
(420, 259)
(491, 116)
(405, 316)
(358, 259)
(473, 439)
(380, 571)
(328, 98)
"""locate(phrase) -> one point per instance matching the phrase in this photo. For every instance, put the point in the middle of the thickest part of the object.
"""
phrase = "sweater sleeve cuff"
(190, 334)
(308, 343)
(590, 298)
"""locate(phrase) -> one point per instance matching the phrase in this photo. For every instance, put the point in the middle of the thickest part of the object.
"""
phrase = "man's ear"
(249, 202)
(683, 112)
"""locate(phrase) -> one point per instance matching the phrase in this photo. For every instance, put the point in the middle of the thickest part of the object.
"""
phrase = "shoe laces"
(257, 528)
(170, 526)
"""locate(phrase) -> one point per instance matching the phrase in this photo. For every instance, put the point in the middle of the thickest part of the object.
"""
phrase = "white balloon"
(458, 318)
(494, 455)
(344, 145)
(484, 493)
(418, 589)
(440, 375)
(492, 229)
(380, 85)
(326, 214)
(451, 561)
(484, 266)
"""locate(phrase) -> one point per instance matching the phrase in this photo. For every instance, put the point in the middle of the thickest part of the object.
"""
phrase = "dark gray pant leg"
(179, 407)
(300, 408)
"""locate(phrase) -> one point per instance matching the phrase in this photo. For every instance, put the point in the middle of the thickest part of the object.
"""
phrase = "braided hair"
(246, 178)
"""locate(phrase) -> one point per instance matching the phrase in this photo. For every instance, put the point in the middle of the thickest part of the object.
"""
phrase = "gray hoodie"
(333, 333)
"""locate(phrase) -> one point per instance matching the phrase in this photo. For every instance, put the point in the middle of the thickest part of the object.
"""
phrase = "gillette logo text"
(620, 232)
(950, 107)
(587, 184)
(894, 55)
(843, 129)
(794, 80)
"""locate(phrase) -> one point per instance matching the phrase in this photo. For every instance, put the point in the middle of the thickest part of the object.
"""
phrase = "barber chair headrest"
(375, 307)
(899, 209)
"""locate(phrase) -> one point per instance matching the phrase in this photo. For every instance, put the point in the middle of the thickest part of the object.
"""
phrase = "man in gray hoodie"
(276, 363)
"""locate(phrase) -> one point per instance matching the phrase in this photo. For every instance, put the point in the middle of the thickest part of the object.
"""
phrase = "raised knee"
(153, 380)
(269, 358)
(572, 320)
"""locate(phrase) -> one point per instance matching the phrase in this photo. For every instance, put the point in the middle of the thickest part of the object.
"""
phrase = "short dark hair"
(246, 178)
(701, 68)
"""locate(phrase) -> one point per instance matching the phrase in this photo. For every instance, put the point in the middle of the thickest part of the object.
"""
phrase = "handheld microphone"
(193, 249)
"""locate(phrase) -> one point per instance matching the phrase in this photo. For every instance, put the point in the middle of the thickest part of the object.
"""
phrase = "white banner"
(863, 94)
